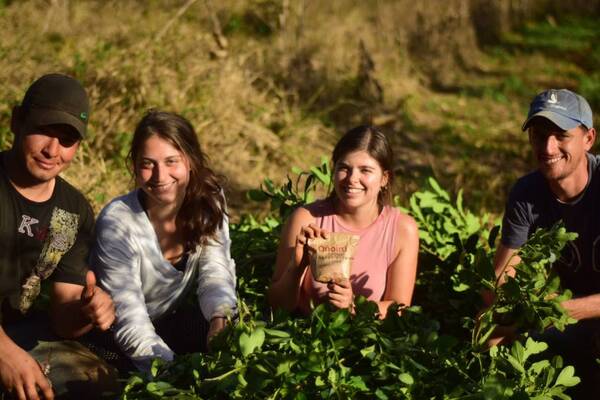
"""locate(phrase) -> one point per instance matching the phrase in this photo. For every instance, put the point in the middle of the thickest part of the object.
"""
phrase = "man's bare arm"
(587, 307)
(505, 261)
(75, 309)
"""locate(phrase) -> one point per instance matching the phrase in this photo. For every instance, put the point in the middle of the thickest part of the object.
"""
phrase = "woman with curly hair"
(165, 237)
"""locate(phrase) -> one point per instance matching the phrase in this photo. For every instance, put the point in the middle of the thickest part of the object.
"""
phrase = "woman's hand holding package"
(340, 294)
(301, 257)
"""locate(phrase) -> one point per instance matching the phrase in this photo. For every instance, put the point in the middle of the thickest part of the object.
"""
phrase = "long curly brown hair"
(203, 210)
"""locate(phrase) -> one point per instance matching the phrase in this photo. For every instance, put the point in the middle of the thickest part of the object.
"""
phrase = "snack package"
(331, 259)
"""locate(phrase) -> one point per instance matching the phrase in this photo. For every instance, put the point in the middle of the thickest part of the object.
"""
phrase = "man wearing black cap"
(45, 229)
(565, 186)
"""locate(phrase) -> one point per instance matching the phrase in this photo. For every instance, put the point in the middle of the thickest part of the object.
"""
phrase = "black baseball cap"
(56, 99)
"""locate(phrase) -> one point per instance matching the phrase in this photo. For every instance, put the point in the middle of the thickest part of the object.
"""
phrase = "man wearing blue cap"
(565, 186)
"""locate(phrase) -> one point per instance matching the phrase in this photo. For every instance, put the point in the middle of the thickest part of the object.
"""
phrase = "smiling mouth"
(45, 164)
(163, 187)
(550, 160)
(350, 190)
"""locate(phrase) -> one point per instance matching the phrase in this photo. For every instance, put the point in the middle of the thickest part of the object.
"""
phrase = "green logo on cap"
(83, 116)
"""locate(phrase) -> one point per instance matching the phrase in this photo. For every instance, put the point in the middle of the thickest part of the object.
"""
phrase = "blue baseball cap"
(563, 107)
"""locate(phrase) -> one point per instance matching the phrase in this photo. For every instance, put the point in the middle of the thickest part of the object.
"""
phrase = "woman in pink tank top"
(385, 262)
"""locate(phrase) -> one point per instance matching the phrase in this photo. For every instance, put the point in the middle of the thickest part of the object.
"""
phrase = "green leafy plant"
(430, 351)
(530, 300)
(295, 192)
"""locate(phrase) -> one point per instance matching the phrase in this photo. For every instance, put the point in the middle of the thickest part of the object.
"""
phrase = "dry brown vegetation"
(270, 84)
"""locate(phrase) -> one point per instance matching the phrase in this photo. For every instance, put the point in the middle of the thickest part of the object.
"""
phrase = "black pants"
(579, 346)
(183, 330)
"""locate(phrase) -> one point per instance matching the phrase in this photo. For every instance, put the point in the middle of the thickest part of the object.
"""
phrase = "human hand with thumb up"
(96, 304)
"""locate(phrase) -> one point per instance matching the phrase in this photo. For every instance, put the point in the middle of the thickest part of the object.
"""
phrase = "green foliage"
(295, 192)
(430, 351)
(441, 222)
(254, 244)
(513, 375)
(531, 299)
(455, 258)
(589, 87)
(6, 137)
(567, 36)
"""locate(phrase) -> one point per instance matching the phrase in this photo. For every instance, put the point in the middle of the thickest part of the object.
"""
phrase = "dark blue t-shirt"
(531, 205)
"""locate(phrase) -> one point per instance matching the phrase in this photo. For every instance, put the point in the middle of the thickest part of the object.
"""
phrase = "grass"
(271, 84)
(472, 137)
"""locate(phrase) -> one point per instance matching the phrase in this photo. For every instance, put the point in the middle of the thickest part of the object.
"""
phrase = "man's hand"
(340, 294)
(503, 334)
(97, 304)
(20, 374)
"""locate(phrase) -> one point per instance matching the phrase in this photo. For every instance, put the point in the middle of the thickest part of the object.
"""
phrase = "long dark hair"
(203, 208)
(370, 139)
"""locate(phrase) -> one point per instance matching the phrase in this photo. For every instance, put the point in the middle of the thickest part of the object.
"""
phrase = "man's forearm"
(68, 321)
(75, 309)
(587, 307)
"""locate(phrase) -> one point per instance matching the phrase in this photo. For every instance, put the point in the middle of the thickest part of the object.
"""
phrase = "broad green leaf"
(248, 343)
(155, 366)
(459, 203)
(133, 381)
(367, 350)
(284, 367)
(357, 382)
(567, 377)
(516, 364)
(158, 388)
(276, 333)
(257, 195)
(261, 368)
(324, 178)
(436, 187)
(406, 378)
(381, 395)
(340, 318)
(319, 382)
(300, 396)
(533, 347)
(332, 377)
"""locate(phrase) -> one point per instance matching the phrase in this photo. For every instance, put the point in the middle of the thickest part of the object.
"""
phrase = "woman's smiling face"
(162, 172)
(358, 179)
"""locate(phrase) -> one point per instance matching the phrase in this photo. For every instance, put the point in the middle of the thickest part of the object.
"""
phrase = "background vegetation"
(271, 84)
